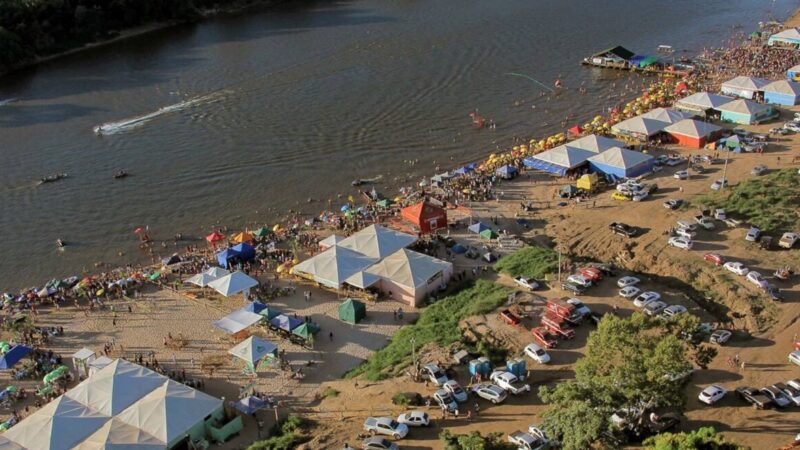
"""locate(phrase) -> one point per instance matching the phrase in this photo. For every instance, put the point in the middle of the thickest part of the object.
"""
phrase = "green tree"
(631, 364)
(474, 441)
(705, 438)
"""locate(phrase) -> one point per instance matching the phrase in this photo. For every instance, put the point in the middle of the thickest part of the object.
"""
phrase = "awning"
(237, 321)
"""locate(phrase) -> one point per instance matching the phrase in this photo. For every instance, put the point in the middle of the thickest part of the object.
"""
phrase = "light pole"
(414, 357)
(559, 262)
(725, 170)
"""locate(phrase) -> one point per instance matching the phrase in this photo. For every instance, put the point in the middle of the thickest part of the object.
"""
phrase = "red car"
(591, 273)
(545, 338)
(509, 317)
(557, 325)
(714, 259)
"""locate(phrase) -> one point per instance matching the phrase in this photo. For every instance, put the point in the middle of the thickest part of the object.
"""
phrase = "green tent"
(155, 276)
(306, 330)
(261, 232)
(648, 61)
(352, 311)
(488, 234)
(270, 313)
(384, 203)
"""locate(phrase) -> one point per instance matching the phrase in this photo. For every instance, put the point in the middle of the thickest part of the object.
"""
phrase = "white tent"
(621, 158)
(742, 86)
(5, 444)
(743, 106)
(330, 241)
(253, 349)
(99, 364)
(333, 266)
(233, 283)
(216, 272)
(237, 321)
(201, 279)
(377, 242)
(362, 280)
(565, 156)
(170, 410)
(117, 386)
(60, 424)
(81, 360)
(788, 36)
(666, 115)
(409, 268)
(639, 126)
(118, 435)
(692, 128)
(595, 143)
(702, 101)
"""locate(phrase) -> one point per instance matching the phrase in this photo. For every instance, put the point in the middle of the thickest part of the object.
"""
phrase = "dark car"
(574, 288)
(623, 229)
(754, 397)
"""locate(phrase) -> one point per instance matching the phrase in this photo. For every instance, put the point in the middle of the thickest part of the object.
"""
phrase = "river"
(294, 103)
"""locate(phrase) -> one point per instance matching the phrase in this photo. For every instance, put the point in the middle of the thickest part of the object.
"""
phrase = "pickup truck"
(623, 229)
(509, 317)
(557, 325)
(509, 382)
(787, 240)
(526, 441)
(733, 223)
(704, 221)
(385, 425)
(754, 397)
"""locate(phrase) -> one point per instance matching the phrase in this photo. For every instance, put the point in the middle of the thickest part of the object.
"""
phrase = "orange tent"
(426, 216)
(244, 236)
(215, 237)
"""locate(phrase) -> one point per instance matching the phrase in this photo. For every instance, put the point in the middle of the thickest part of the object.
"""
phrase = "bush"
(703, 438)
(330, 392)
(437, 323)
(286, 435)
(474, 441)
(534, 262)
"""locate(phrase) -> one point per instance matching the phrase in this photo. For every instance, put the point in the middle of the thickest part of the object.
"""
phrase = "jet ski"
(52, 178)
(120, 174)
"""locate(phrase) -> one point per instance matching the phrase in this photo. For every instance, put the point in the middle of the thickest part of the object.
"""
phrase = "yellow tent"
(587, 182)
(244, 236)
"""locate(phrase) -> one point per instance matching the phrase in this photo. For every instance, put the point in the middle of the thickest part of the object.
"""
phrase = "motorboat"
(52, 178)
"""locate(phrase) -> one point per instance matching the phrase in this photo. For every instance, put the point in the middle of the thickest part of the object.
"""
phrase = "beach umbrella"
(215, 237)
(244, 236)
(138, 230)
(488, 234)
(155, 276)
(261, 232)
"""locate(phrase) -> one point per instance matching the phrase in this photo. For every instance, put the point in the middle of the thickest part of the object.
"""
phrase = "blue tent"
(246, 251)
(478, 227)
(11, 357)
(507, 171)
(461, 171)
(249, 405)
(286, 323)
(255, 307)
(459, 249)
(225, 255)
(538, 164)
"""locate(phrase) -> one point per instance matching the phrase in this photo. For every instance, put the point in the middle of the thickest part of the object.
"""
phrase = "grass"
(769, 202)
(437, 323)
(534, 262)
(285, 435)
(330, 392)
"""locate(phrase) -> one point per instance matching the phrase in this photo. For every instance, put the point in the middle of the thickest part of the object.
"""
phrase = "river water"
(294, 103)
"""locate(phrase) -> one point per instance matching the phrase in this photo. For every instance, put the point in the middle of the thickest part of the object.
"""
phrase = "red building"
(693, 133)
(427, 217)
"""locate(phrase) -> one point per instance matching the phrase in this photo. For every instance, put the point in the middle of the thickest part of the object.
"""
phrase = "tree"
(631, 365)
(705, 438)
(474, 441)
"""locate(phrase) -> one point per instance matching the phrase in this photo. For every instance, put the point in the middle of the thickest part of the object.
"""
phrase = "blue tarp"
(246, 251)
(507, 170)
(11, 357)
(249, 405)
(225, 255)
(478, 227)
(285, 322)
(255, 307)
(458, 249)
(538, 164)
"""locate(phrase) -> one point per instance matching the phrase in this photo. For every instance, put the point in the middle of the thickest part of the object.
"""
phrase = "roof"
(115, 388)
(253, 349)
(377, 242)
(333, 266)
(743, 106)
(595, 143)
(748, 83)
(216, 272)
(83, 353)
(640, 125)
(666, 115)
(620, 51)
(118, 435)
(703, 100)
(362, 280)
(791, 33)
(564, 156)
(201, 279)
(409, 268)
(794, 69)
(423, 211)
(331, 240)
(233, 283)
(60, 424)
(692, 128)
(620, 157)
(237, 321)
(783, 87)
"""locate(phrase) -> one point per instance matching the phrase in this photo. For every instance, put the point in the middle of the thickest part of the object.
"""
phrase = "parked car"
(654, 308)
(720, 337)
(680, 242)
(753, 234)
(591, 273)
(378, 443)
(736, 267)
(509, 317)
(673, 310)
(509, 382)
(714, 258)
(629, 292)
(434, 374)
(537, 353)
(788, 240)
(792, 126)
(579, 280)
(627, 281)
(698, 168)
(793, 394)
(579, 306)
(686, 225)
(757, 279)
(645, 298)
(720, 214)
(445, 400)
(526, 282)
(674, 203)
(563, 309)
(795, 383)
(557, 325)
(704, 221)
(623, 229)
(455, 389)
(753, 397)
(719, 184)
(731, 222)
(794, 357)
(491, 392)
(641, 195)
(634, 185)
(620, 196)
(414, 419)
(544, 337)
(526, 441)
(574, 288)
(684, 233)
(385, 425)
(776, 396)
(712, 394)
(675, 161)
(759, 170)
(681, 174)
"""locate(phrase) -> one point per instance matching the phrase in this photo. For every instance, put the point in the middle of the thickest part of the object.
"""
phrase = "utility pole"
(725, 170)
(414, 357)
(559, 262)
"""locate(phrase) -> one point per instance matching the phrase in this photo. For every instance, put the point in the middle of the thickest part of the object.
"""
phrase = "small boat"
(60, 243)
(784, 273)
(120, 174)
(52, 178)
(357, 182)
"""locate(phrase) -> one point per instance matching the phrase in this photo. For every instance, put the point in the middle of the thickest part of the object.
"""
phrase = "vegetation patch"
(437, 323)
(705, 438)
(534, 262)
(474, 441)
(285, 435)
(330, 392)
(769, 202)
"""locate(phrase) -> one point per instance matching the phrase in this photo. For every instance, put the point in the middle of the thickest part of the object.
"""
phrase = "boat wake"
(121, 126)
(7, 101)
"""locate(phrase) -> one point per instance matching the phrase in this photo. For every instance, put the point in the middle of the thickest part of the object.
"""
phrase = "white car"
(525, 282)
(675, 161)
(445, 400)
(753, 234)
(654, 308)
(704, 222)
(683, 232)
(792, 126)
(434, 374)
(579, 306)
(777, 397)
(686, 225)
(789, 392)
(720, 337)
(719, 184)
(794, 357)
(456, 391)
(627, 281)
(673, 310)
(641, 195)
(758, 170)
(681, 174)
(387, 426)
(634, 185)
(756, 278)
(625, 189)
(736, 267)
(414, 419)
(645, 298)
(537, 353)
(509, 382)
(788, 240)
(491, 392)
(580, 280)
(712, 394)
(720, 214)
(680, 242)
(629, 292)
